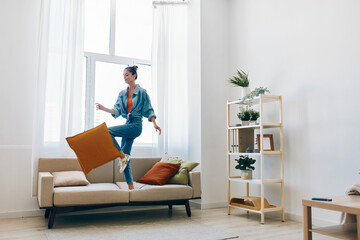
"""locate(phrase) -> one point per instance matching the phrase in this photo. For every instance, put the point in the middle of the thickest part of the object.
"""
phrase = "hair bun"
(136, 67)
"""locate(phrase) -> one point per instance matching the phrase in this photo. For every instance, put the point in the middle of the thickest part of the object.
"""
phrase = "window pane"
(97, 26)
(133, 28)
(108, 83)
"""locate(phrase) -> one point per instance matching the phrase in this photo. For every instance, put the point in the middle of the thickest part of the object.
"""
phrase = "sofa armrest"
(45, 189)
(194, 180)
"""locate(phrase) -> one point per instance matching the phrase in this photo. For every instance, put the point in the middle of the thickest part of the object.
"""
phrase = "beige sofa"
(108, 188)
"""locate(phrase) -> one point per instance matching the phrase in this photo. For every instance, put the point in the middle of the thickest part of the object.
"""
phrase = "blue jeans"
(128, 132)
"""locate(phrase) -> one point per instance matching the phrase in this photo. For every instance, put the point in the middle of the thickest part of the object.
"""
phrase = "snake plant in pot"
(241, 79)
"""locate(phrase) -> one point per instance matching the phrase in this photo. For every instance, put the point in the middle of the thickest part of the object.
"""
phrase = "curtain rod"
(155, 3)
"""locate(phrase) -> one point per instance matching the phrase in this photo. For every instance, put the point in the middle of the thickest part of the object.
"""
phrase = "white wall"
(18, 67)
(308, 52)
(214, 90)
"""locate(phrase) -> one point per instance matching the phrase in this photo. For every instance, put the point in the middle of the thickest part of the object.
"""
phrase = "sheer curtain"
(169, 69)
(58, 109)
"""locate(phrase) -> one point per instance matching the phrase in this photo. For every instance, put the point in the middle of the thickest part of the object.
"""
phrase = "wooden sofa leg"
(47, 212)
(170, 206)
(187, 206)
(52, 217)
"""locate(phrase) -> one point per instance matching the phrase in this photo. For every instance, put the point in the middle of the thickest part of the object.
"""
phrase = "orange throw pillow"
(93, 148)
(160, 173)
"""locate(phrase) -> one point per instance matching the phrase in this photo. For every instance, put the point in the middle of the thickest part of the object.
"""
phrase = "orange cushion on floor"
(160, 173)
(93, 148)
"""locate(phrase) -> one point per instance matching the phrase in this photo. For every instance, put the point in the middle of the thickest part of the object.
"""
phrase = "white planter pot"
(244, 123)
(245, 91)
(246, 172)
(251, 123)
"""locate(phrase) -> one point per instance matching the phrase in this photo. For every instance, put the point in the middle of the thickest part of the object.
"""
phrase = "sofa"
(108, 188)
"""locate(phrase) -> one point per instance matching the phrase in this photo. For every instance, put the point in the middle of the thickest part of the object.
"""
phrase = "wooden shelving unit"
(246, 134)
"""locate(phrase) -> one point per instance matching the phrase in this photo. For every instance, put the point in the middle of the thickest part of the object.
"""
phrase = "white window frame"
(92, 58)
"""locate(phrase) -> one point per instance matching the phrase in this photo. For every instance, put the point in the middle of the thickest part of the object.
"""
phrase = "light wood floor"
(245, 226)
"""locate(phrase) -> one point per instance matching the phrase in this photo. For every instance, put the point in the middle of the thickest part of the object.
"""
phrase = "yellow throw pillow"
(93, 148)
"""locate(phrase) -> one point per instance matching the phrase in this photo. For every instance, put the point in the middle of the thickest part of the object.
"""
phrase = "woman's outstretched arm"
(101, 107)
(157, 128)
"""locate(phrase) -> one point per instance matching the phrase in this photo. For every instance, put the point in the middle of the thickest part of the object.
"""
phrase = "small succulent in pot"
(244, 115)
(245, 162)
(254, 115)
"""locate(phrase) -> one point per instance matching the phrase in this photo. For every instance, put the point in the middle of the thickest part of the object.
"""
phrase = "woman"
(133, 103)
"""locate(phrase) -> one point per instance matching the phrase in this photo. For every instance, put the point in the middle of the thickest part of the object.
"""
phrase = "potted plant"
(254, 115)
(244, 116)
(261, 90)
(254, 93)
(241, 79)
(244, 164)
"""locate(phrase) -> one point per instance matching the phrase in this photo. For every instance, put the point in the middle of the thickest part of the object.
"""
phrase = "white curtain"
(169, 69)
(58, 109)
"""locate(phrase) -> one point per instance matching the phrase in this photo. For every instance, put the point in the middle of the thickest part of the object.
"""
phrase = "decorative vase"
(245, 91)
(248, 150)
(246, 174)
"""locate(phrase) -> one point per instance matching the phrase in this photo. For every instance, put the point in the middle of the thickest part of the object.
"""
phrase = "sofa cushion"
(149, 193)
(94, 147)
(160, 173)
(102, 174)
(69, 178)
(97, 193)
(182, 176)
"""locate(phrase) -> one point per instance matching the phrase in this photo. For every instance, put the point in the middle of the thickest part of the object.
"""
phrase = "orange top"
(129, 104)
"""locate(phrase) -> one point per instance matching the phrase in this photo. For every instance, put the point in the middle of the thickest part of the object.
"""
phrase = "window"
(118, 34)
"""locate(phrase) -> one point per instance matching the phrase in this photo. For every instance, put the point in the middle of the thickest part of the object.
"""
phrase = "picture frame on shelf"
(268, 142)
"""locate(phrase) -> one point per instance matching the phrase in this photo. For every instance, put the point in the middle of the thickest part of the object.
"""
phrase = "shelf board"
(265, 125)
(344, 231)
(274, 209)
(242, 153)
(254, 154)
(265, 98)
(255, 181)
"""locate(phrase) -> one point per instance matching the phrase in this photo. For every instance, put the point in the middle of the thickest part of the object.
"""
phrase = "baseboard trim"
(22, 214)
(213, 205)
(195, 203)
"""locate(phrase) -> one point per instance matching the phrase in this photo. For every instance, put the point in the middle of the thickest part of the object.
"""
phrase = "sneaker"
(123, 163)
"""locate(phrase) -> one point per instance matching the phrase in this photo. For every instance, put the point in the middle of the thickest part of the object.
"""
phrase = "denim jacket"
(141, 104)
